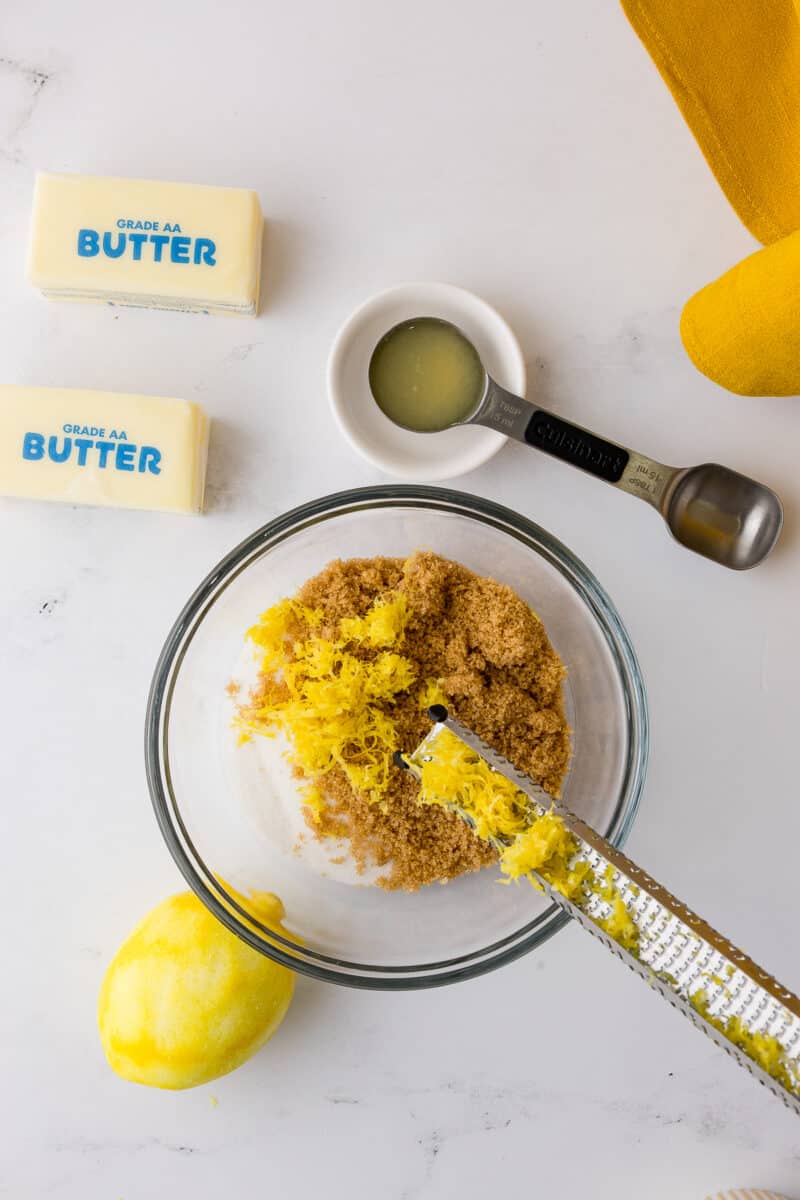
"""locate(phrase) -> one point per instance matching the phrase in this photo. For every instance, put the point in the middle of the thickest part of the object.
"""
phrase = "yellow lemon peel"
(185, 1001)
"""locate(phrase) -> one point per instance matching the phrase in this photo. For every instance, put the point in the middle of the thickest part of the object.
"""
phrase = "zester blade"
(679, 953)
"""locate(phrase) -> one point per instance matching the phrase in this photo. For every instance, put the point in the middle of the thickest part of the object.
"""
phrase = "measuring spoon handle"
(535, 426)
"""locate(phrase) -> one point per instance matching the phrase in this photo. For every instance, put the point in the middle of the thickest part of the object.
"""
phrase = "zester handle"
(679, 953)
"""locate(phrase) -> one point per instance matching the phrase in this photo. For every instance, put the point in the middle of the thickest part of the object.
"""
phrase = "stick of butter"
(150, 245)
(102, 448)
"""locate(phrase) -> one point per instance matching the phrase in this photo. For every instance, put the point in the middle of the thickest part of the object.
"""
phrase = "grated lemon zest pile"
(330, 702)
(383, 625)
(272, 633)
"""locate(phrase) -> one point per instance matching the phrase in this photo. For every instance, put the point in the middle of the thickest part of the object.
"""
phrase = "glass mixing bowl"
(222, 807)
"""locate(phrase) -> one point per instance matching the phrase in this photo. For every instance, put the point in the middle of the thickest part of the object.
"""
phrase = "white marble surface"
(531, 153)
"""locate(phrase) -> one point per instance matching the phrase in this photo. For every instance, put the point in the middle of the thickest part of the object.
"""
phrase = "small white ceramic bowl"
(418, 456)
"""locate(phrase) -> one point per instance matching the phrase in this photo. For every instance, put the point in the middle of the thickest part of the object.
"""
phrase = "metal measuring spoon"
(725, 516)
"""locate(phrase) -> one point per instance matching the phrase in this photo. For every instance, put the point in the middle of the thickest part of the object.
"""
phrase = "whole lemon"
(185, 1001)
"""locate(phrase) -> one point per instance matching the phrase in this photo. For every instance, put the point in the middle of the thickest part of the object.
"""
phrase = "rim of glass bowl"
(226, 907)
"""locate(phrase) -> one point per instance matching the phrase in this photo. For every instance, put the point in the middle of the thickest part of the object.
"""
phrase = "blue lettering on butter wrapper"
(102, 449)
(137, 240)
(159, 241)
(125, 456)
(88, 243)
(122, 223)
(53, 451)
(147, 247)
(33, 446)
(179, 250)
(111, 249)
(204, 251)
(92, 452)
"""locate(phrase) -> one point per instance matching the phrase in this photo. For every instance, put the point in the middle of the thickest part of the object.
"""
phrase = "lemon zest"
(383, 625)
(763, 1048)
(274, 627)
(330, 701)
(618, 922)
(314, 802)
(432, 693)
(454, 775)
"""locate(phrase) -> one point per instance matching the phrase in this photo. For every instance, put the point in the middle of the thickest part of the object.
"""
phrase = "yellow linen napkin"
(743, 330)
(733, 67)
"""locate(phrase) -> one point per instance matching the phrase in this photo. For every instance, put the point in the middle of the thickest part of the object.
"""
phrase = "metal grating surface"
(679, 953)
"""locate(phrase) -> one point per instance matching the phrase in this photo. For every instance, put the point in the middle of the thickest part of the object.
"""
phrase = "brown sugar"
(492, 664)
